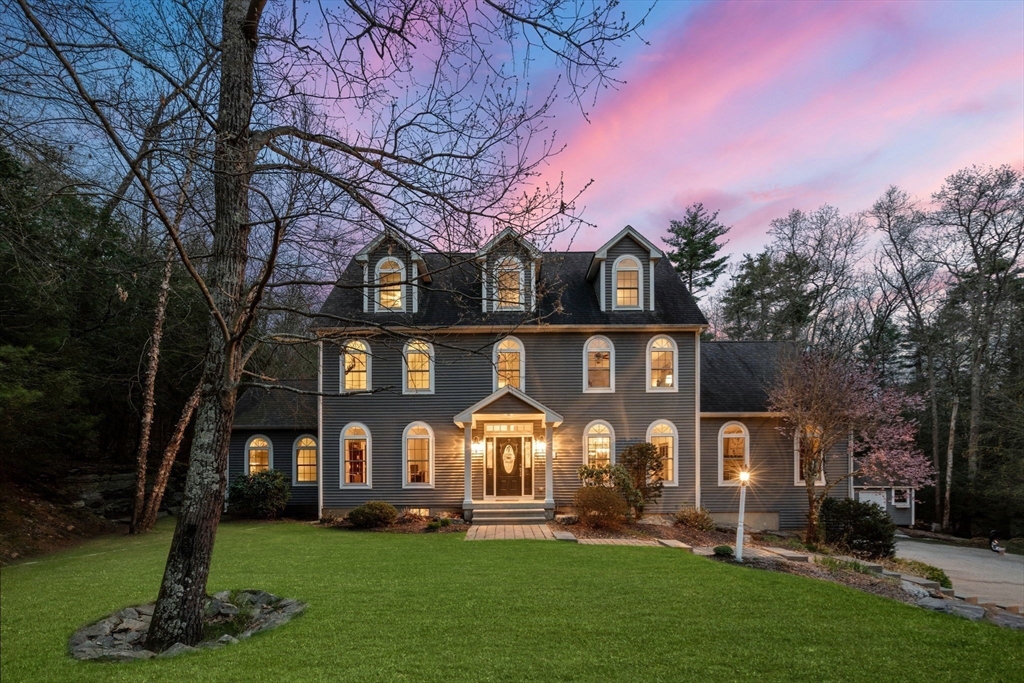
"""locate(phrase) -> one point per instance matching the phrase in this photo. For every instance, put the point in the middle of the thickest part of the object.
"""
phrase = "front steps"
(498, 512)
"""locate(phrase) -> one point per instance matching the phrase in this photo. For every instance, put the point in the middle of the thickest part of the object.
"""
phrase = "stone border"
(121, 637)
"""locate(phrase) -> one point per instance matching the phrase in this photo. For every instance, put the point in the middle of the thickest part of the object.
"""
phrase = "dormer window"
(389, 285)
(508, 280)
(628, 279)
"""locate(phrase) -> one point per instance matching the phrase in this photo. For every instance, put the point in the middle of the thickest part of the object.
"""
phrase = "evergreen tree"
(695, 247)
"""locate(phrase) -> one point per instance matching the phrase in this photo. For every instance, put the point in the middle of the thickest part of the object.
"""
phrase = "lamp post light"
(744, 479)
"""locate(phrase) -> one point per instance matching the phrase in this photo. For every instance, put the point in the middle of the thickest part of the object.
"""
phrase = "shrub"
(835, 566)
(723, 550)
(599, 506)
(642, 484)
(918, 568)
(434, 525)
(863, 529)
(695, 518)
(373, 514)
(262, 495)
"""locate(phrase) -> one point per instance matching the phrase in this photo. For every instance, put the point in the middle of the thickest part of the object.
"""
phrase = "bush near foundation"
(698, 519)
(373, 514)
(262, 495)
(600, 506)
(862, 529)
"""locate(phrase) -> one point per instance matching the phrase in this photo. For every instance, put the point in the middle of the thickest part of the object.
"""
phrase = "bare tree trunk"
(156, 496)
(949, 463)
(936, 458)
(149, 395)
(178, 616)
(813, 508)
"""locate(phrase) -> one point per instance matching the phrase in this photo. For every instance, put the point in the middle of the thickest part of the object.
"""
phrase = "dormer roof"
(363, 255)
(511, 233)
(628, 231)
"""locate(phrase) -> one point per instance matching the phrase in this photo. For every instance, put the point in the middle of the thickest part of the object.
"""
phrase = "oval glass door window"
(508, 459)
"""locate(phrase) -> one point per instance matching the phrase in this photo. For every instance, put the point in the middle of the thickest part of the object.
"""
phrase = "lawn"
(388, 607)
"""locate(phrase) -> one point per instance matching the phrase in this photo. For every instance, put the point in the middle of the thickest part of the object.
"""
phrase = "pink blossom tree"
(828, 403)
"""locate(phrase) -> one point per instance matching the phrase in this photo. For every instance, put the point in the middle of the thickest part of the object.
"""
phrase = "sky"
(758, 108)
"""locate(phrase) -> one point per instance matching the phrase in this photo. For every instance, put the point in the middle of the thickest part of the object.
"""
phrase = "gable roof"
(655, 252)
(549, 415)
(513, 234)
(735, 376)
(261, 408)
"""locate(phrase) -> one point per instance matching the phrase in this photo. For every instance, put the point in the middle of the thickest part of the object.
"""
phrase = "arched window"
(509, 363)
(304, 454)
(662, 364)
(733, 452)
(598, 365)
(664, 436)
(418, 363)
(259, 455)
(508, 279)
(629, 281)
(390, 274)
(355, 366)
(804, 449)
(355, 455)
(598, 444)
(418, 456)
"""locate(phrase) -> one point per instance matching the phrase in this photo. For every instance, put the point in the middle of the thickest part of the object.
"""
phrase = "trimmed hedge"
(862, 529)
(600, 506)
(262, 495)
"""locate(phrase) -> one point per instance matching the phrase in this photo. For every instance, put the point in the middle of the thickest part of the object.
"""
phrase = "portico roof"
(517, 404)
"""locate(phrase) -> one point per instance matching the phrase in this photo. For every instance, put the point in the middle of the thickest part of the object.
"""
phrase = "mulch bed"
(654, 531)
(407, 526)
(876, 585)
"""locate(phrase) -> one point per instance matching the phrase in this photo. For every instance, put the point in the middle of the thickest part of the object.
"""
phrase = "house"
(479, 382)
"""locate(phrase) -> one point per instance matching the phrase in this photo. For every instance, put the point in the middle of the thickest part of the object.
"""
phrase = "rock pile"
(122, 635)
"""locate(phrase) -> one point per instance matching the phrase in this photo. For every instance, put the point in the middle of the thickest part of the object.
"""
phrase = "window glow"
(305, 460)
(355, 455)
(627, 283)
(355, 359)
(389, 282)
(417, 364)
(734, 448)
(599, 364)
(509, 284)
(599, 445)
(259, 455)
(509, 364)
(663, 438)
(417, 455)
(662, 362)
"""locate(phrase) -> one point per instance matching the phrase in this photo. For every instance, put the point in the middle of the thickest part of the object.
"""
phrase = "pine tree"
(695, 247)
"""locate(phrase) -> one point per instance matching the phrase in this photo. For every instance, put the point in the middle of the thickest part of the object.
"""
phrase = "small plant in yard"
(864, 529)
(834, 565)
(434, 525)
(921, 569)
(723, 550)
(698, 519)
(599, 506)
(373, 514)
(262, 495)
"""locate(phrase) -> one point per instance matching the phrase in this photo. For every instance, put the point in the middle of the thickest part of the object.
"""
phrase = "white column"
(467, 499)
(549, 457)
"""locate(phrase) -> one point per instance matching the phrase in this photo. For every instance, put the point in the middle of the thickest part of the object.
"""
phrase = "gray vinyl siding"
(554, 377)
(772, 472)
(627, 245)
(283, 442)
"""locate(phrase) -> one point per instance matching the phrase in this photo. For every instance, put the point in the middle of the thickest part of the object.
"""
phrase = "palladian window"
(419, 455)
(627, 283)
(599, 443)
(598, 370)
(389, 285)
(509, 281)
(663, 435)
(509, 363)
(419, 368)
(258, 455)
(305, 460)
(661, 364)
(734, 449)
(355, 367)
(355, 449)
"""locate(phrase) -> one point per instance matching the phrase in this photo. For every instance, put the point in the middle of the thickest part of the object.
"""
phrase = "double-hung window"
(807, 457)
(599, 444)
(418, 360)
(733, 453)
(628, 282)
(508, 276)
(355, 366)
(509, 363)
(419, 455)
(355, 453)
(598, 365)
(305, 460)
(662, 364)
(259, 455)
(662, 434)
(389, 285)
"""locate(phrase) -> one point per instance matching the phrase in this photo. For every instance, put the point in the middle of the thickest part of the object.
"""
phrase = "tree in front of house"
(833, 410)
(695, 247)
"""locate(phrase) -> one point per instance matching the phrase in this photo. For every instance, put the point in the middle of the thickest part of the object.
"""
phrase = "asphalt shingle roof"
(734, 376)
(278, 408)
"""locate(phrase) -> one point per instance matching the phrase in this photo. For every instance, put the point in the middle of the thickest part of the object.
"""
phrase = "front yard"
(386, 607)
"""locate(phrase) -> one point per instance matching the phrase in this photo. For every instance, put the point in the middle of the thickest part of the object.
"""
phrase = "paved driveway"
(972, 570)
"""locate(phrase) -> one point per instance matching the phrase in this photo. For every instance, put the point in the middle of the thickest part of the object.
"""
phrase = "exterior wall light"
(540, 448)
(744, 480)
(477, 447)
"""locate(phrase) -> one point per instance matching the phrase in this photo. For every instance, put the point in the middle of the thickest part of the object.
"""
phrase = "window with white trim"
(901, 498)
(598, 444)
(665, 438)
(628, 278)
(803, 451)
(598, 365)
(508, 284)
(355, 366)
(509, 363)
(389, 285)
(305, 455)
(418, 362)
(259, 455)
(355, 455)
(733, 452)
(418, 455)
(662, 364)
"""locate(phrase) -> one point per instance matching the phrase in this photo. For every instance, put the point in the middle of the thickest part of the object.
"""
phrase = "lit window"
(355, 367)
(509, 277)
(663, 435)
(733, 445)
(356, 451)
(389, 285)
(258, 455)
(662, 364)
(305, 460)
(508, 363)
(599, 442)
(419, 452)
(598, 369)
(806, 457)
(418, 370)
(627, 283)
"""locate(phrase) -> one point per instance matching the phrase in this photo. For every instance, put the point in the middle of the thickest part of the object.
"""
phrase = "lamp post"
(744, 478)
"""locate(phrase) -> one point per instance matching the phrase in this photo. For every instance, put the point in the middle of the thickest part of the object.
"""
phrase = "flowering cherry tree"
(835, 410)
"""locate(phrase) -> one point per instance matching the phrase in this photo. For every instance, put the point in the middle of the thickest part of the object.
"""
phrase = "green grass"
(432, 607)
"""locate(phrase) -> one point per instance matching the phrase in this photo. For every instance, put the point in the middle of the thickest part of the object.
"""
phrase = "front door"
(509, 466)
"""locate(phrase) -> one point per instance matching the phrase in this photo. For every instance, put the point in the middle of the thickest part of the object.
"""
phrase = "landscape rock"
(955, 607)
(227, 639)
(1008, 620)
(175, 650)
(567, 520)
(915, 590)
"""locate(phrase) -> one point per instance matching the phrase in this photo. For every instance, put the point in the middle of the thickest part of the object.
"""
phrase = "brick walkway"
(615, 541)
(509, 532)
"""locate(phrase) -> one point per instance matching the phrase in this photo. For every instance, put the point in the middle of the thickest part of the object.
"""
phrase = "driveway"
(972, 570)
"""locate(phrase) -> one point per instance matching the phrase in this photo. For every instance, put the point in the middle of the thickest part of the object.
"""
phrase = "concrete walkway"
(509, 532)
(972, 570)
